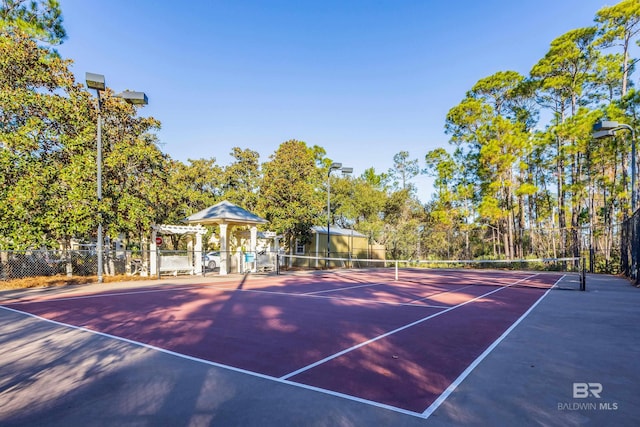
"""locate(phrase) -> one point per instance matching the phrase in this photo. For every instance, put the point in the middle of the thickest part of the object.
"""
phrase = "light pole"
(607, 128)
(96, 81)
(345, 170)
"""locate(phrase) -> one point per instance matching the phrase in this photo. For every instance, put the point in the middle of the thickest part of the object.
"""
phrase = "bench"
(176, 263)
(265, 262)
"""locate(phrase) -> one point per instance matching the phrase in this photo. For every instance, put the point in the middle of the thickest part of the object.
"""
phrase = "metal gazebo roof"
(225, 212)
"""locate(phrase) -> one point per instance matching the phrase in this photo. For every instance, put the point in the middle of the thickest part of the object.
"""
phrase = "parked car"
(212, 260)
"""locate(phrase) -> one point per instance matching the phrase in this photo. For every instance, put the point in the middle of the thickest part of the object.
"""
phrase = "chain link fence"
(608, 250)
(599, 245)
(39, 263)
(33, 263)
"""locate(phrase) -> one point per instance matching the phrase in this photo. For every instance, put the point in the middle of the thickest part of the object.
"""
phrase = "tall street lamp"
(96, 81)
(607, 128)
(345, 170)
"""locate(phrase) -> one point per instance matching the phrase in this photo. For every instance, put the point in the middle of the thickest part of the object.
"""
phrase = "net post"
(583, 275)
(396, 270)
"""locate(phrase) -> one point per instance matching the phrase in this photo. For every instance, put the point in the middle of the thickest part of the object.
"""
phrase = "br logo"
(584, 390)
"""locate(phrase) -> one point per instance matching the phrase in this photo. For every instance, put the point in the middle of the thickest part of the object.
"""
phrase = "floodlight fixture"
(95, 81)
(605, 125)
(603, 134)
(132, 97)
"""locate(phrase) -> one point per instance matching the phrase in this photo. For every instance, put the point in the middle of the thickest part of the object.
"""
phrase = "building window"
(299, 247)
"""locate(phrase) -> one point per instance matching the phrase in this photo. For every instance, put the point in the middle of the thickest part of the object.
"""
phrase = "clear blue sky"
(363, 79)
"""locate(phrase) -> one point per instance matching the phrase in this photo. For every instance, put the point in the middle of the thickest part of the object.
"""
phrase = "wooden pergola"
(196, 230)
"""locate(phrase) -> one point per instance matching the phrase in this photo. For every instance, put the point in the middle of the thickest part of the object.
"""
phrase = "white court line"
(231, 288)
(105, 292)
(220, 365)
(427, 413)
(100, 295)
(364, 300)
(410, 303)
(411, 286)
(406, 283)
(379, 337)
(343, 289)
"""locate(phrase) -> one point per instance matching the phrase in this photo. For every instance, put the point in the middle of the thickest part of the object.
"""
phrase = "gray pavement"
(52, 375)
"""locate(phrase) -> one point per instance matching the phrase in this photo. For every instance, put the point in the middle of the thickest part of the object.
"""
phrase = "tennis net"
(396, 268)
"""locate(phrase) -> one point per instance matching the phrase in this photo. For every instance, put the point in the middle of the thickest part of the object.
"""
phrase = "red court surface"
(394, 344)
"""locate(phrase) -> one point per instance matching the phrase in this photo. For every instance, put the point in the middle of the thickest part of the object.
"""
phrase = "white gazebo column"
(254, 244)
(254, 238)
(190, 251)
(276, 250)
(224, 256)
(198, 254)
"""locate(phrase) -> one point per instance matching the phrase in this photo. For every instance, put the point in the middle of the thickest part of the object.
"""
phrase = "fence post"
(68, 263)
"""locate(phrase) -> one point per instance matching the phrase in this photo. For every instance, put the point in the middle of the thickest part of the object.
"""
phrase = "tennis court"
(398, 343)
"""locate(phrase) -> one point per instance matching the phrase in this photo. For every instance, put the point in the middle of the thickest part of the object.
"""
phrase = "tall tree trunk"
(511, 234)
(562, 222)
(576, 173)
(521, 226)
(505, 242)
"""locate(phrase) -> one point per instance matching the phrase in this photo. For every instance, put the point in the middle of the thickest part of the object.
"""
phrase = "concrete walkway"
(573, 344)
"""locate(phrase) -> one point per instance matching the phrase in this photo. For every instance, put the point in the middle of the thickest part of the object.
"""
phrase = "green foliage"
(555, 180)
(242, 178)
(40, 19)
(190, 188)
(375, 180)
(619, 24)
(501, 181)
(567, 69)
(359, 203)
(134, 170)
(48, 129)
(43, 125)
(403, 217)
(404, 169)
(288, 196)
